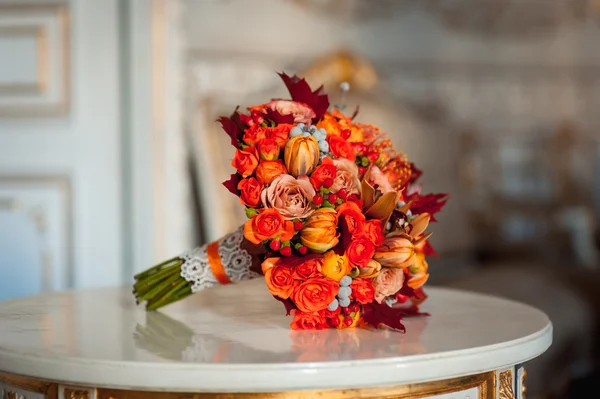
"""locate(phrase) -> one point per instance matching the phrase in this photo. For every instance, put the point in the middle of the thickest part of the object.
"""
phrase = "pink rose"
(302, 113)
(388, 282)
(290, 196)
(346, 177)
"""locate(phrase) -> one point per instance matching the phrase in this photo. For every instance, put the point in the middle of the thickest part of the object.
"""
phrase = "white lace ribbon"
(236, 262)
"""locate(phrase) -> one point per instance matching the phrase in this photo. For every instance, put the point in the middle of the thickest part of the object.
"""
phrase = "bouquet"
(336, 220)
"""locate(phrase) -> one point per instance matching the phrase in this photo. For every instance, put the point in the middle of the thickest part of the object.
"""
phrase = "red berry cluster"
(332, 199)
(285, 249)
(348, 312)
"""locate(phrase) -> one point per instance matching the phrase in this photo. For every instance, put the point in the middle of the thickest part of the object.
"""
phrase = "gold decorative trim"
(523, 386)
(34, 385)
(40, 35)
(506, 390)
(61, 106)
(71, 393)
(485, 384)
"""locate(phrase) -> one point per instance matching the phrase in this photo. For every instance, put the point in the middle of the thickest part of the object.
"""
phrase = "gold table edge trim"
(485, 382)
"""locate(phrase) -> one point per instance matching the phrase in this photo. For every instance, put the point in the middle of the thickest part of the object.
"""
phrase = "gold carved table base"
(501, 384)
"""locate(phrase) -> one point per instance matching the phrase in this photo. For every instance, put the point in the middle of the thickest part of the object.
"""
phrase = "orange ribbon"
(214, 260)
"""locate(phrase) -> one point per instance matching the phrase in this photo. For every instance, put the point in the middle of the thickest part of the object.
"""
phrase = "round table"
(234, 342)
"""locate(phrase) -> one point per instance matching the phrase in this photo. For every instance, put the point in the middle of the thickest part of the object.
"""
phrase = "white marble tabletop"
(236, 339)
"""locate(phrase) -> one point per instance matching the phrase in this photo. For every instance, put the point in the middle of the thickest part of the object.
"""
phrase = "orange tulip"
(397, 251)
(418, 271)
(320, 230)
(301, 155)
(371, 270)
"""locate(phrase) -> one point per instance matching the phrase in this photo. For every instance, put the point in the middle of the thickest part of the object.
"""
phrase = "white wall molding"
(47, 202)
(35, 78)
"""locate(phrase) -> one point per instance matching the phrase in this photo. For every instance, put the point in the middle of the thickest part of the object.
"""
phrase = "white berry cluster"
(343, 296)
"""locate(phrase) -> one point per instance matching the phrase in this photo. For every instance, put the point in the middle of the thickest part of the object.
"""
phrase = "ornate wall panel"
(35, 70)
(45, 203)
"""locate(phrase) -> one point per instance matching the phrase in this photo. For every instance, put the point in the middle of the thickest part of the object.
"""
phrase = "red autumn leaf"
(233, 126)
(289, 305)
(430, 203)
(428, 249)
(418, 294)
(417, 297)
(345, 235)
(376, 314)
(415, 174)
(232, 183)
(301, 92)
(275, 116)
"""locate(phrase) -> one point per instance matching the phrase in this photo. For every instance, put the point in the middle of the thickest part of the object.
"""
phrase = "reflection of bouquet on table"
(171, 339)
(336, 221)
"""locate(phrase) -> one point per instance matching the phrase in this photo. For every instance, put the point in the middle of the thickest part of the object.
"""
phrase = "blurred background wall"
(110, 159)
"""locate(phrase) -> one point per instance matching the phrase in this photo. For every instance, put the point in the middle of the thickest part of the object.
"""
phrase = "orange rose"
(373, 231)
(363, 290)
(308, 321)
(245, 161)
(256, 133)
(308, 269)
(268, 149)
(353, 134)
(267, 171)
(250, 190)
(348, 130)
(266, 225)
(341, 148)
(301, 155)
(315, 294)
(279, 133)
(360, 251)
(351, 218)
(323, 172)
(330, 124)
(319, 233)
(280, 281)
(335, 266)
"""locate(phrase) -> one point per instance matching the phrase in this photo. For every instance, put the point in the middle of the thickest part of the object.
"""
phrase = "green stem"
(149, 271)
(158, 276)
(168, 298)
(160, 287)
